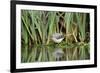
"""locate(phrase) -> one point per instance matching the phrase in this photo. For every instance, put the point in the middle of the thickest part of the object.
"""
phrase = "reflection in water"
(58, 52)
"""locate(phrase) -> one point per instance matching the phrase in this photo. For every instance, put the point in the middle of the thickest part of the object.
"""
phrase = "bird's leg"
(57, 59)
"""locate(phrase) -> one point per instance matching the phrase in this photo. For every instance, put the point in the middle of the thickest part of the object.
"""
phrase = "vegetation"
(37, 28)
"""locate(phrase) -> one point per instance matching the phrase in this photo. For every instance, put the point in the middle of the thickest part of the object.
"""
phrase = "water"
(56, 52)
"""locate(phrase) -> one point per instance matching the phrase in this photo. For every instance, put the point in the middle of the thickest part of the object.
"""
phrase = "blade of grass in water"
(68, 19)
(81, 20)
(27, 28)
(51, 24)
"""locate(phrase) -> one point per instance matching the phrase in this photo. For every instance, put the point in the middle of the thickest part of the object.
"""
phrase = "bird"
(57, 37)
